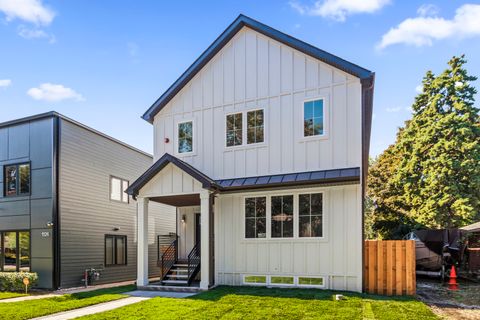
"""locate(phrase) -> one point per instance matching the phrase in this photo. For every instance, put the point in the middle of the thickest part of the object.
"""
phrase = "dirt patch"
(461, 304)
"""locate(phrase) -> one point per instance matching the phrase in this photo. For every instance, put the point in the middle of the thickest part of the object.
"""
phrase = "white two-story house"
(262, 146)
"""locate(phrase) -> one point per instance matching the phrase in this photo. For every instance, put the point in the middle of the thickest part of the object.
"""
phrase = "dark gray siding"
(31, 142)
(87, 160)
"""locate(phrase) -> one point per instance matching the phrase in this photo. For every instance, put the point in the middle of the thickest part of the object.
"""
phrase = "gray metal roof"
(268, 31)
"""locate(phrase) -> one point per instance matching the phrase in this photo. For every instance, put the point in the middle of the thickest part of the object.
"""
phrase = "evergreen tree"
(431, 176)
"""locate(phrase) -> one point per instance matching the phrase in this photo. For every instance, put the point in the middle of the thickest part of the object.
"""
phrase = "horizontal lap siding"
(337, 257)
(253, 71)
(86, 214)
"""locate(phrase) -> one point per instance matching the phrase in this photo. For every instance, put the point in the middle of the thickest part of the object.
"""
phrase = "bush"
(13, 281)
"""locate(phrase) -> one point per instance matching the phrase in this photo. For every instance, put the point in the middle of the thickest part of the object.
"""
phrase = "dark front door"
(197, 228)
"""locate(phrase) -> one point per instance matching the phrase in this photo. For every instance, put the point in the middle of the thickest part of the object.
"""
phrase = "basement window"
(115, 250)
(310, 281)
(277, 280)
(255, 279)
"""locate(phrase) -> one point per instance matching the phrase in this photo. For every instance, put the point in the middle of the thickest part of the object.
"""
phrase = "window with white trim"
(255, 217)
(117, 189)
(234, 131)
(282, 216)
(310, 215)
(255, 126)
(313, 118)
(185, 137)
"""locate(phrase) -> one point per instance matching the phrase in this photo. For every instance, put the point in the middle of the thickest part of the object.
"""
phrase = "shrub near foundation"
(13, 281)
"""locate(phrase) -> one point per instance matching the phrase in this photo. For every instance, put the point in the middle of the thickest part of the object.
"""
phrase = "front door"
(197, 228)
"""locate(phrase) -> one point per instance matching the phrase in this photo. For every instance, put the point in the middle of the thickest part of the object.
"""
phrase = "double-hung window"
(185, 137)
(313, 118)
(255, 217)
(255, 125)
(234, 129)
(282, 216)
(310, 214)
(115, 250)
(117, 189)
(17, 179)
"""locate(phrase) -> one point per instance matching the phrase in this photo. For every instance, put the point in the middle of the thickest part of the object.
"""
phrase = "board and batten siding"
(87, 160)
(253, 71)
(336, 257)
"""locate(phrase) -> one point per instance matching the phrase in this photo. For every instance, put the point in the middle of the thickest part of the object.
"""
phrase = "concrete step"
(179, 270)
(182, 265)
(175, 282)
(154, 287)
(178, 276)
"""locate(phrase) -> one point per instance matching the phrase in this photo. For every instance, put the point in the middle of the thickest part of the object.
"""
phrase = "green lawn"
(7, 295)
(262, 303)
(36, 308)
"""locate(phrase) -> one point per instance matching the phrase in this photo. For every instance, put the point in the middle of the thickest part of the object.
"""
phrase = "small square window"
(117, 189)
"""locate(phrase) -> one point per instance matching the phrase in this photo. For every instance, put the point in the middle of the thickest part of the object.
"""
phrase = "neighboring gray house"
(62, 205)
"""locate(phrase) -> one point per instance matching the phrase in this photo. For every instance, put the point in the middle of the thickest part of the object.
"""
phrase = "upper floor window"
(313, 118)
(17, 179)
(185, 137)
(255, 125)
(234, 129)
(282, 216)
(310, 214)
(256, 217)
(117, 189)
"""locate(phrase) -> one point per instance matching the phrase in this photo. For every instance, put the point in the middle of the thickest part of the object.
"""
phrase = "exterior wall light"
(116, 228)
(184, 218)
(49, 224)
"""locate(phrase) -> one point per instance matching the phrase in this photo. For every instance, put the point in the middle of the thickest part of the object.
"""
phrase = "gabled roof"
(228, 34)
(333, 176)
(161, 163)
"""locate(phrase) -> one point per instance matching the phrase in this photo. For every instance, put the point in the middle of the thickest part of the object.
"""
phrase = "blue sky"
(104, 63)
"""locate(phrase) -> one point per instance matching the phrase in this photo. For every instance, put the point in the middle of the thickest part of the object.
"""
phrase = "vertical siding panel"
(218, 80)
(251, 64)
(275, 133)
(287, 135)
(239, 66)
(262, 71)
(354, 129)
(207, 88)
(274, 68)
(298, 71)
(339, 129)
(312, 74)
(187, 99)
(228, 74)
(286, 70)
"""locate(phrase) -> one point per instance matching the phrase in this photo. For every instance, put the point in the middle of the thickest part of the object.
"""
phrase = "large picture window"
(17, 179)
(255, 217)
(185, 137)
(15, 251)
(313, 118)
(115, 250)
(255, 125)
(310, 214)
(234, 129)
(282, 216)
(117, 189)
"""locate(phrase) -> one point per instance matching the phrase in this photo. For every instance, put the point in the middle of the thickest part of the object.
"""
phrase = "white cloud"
(53, 93)
(33, 11)
(393, 109)
(423, 30)
(339, 9)
(428, 10)
(5, 83)
(28, 33)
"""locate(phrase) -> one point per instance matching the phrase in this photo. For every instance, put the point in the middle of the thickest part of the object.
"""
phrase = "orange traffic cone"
(452, 283)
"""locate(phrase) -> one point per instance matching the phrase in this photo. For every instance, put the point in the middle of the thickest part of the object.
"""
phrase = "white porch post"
(204, 239)
(142, 242)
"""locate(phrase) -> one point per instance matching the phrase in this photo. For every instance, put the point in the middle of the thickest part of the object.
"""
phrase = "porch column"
(142, 241)
(204, 239)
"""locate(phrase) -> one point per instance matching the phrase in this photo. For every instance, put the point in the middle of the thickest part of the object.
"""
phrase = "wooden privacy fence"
(390, 267)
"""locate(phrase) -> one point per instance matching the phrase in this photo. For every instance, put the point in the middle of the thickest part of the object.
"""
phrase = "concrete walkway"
(26, 298)
(101, 307)
(165, 294)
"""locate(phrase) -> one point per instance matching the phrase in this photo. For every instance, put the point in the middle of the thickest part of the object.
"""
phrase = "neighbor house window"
(255, 217)
(15, 251)
(117, 189)
(282, 216)
(313, 118)
(17, 179)
(185, 137)
(234, 129)
(310, 213)
(255, 125)
(115, 250)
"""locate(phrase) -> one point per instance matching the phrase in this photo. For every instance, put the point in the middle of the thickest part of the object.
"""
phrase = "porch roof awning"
(319, 177)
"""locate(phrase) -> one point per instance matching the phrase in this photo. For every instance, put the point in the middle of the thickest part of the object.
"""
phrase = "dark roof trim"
(292, 179)
(161, 163)
(54, 114)
(270, 32)
(247, 183)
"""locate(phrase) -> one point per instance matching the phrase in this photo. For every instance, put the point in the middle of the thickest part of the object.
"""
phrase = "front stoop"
(159, 287)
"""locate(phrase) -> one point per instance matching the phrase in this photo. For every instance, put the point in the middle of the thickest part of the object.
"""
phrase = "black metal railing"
(168, 258)
(193, 262)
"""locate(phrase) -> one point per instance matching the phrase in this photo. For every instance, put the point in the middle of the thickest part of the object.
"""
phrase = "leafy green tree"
(430, 177)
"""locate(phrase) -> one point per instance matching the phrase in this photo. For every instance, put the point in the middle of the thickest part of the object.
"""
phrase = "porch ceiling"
(182, 200)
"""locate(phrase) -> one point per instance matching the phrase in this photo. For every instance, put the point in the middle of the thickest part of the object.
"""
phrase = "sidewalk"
(35, 297)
